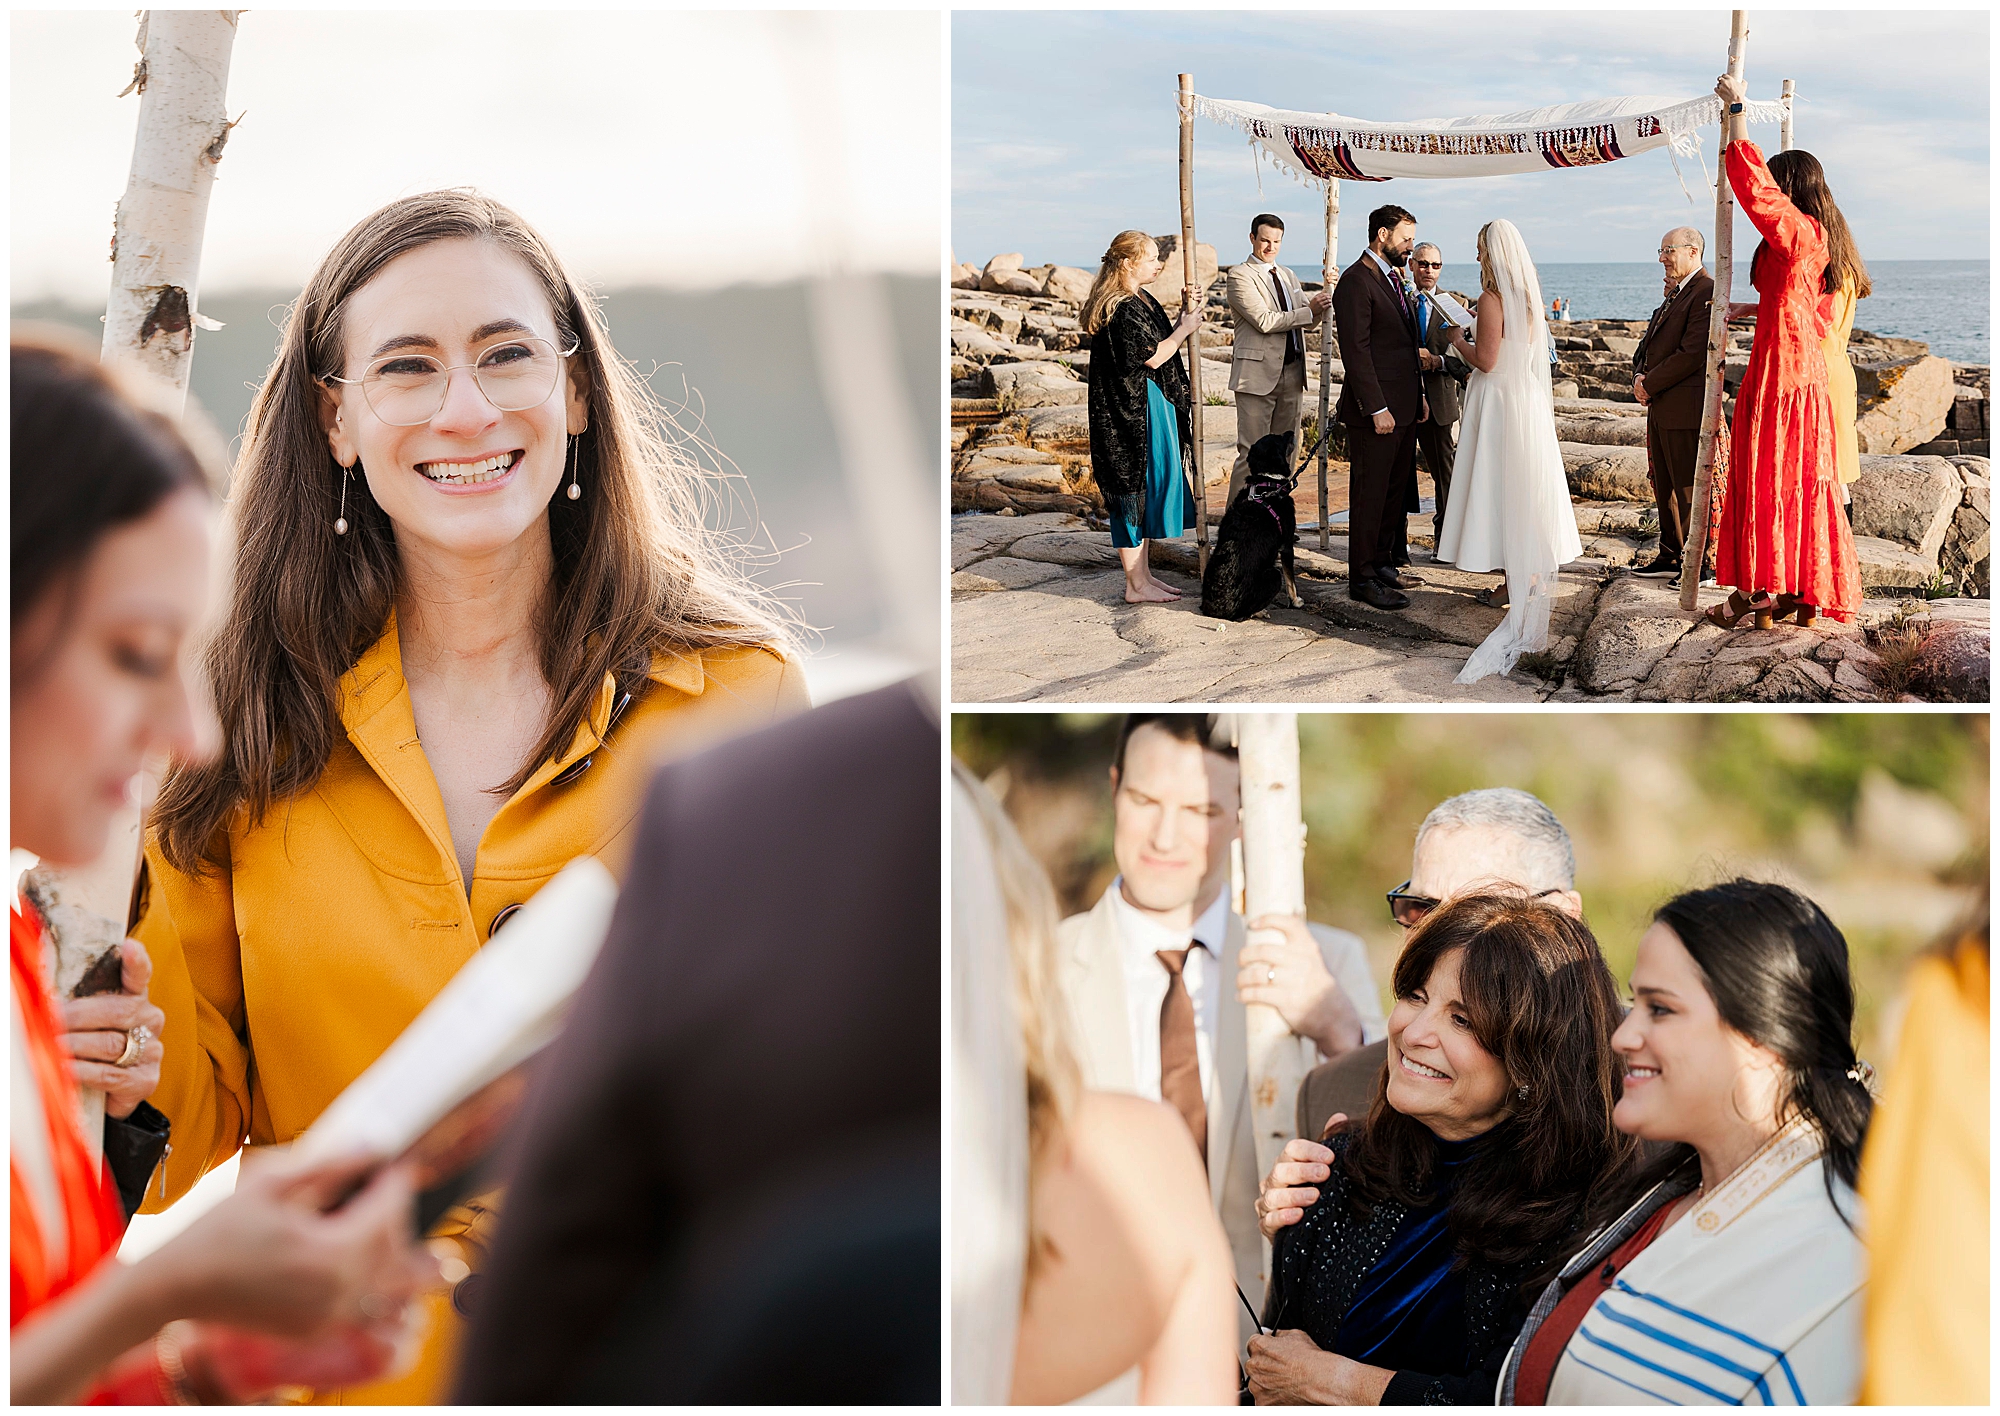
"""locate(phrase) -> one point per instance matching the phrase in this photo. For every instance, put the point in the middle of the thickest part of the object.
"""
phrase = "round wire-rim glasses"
(407, 390)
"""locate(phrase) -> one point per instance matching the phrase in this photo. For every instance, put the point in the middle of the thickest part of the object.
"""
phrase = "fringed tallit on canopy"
(1322, 146)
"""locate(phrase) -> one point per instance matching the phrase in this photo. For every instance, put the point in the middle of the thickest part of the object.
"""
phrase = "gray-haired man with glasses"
(1667, 378)
(1497, 837)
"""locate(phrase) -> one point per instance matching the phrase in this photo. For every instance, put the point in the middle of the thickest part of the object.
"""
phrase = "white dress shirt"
(1146, 982)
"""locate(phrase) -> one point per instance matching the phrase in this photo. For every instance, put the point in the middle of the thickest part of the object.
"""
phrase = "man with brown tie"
(1156, 975)
(1267, 362)
(1668, 379)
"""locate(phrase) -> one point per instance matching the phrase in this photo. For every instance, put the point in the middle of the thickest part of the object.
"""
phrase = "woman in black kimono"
(1138, 406)
(1490, 1133)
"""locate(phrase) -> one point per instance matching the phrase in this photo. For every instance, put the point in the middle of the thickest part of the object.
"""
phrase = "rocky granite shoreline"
(1021, 459)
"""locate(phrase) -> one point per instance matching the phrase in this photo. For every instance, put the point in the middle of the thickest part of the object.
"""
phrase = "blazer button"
(506, 913)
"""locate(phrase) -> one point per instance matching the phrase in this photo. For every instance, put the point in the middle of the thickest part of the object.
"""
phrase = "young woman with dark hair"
(1785, 546)
(110, 547)
(1737, 1274)
(1489, 1134)
(475, 604)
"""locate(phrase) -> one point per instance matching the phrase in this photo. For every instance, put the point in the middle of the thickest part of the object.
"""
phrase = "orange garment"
(1783, 529)
(42, 1268)
(1924, 1176)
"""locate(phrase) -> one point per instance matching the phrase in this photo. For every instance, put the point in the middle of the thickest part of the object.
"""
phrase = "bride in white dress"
(1510, 509)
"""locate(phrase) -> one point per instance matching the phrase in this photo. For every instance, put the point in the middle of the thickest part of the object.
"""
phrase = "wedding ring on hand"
(135, 1045)
(1270, 975)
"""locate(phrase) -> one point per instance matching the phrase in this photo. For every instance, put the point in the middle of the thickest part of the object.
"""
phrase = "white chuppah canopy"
(1329, 146)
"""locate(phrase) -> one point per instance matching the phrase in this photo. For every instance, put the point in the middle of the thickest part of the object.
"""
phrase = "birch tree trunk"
(149, 322)
(1190, 269)
(182, 79)
(1785, 123)
(1274, 882)
(1718, 337)
(1328, 271)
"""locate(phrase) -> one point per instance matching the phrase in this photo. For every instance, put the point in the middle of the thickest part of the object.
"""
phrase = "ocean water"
(1943, 303)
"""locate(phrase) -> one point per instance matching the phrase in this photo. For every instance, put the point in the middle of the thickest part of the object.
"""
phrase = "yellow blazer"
(342, 914)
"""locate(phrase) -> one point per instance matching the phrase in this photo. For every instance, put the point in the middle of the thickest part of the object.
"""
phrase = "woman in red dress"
(280, 1284)
(1785, 545)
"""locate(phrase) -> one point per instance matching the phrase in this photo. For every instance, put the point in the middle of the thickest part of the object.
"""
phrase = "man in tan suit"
(1267, 364)
(1157, 974)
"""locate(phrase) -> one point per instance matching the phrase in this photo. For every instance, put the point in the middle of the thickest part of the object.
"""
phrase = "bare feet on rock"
(1150, 593)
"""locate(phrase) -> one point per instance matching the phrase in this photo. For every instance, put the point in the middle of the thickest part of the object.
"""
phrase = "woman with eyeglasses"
(1405, 1281)
(1736, 1275)
(1784, 546)
(474, 602)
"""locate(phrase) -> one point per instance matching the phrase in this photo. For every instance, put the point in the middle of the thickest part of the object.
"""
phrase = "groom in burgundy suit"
(1381, 403)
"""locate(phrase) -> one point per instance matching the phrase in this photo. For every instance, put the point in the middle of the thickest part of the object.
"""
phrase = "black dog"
(1252, 559)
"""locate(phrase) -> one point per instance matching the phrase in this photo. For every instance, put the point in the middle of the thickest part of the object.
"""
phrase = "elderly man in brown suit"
(1667, 378)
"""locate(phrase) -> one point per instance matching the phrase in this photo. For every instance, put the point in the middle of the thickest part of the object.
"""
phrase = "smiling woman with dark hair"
(1490, 1130)
(1737, 1275)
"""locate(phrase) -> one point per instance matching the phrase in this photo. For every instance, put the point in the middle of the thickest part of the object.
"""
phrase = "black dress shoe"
(1374, 592)
(1388, 576)
(1661, 568)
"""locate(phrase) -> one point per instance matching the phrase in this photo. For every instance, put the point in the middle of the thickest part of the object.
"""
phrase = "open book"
(443, 1093)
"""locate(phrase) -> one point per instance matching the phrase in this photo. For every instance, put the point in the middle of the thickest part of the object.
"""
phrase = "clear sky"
(1064, 126)
(690, 150)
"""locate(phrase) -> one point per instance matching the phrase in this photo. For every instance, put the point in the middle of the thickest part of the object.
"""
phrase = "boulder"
(1069, 283)
(1904, 402)
(1638, 622)
(1908, 499)
(1955, 664)
(1037, 385)
(1889, 567)
(965, 276)
(1599, 473)
(1601, 430)
(990, 314)
(1003, 275)
(1042, 477)
(1167, 287)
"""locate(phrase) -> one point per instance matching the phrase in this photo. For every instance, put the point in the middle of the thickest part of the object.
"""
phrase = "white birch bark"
(1274, 882)
(182, 79)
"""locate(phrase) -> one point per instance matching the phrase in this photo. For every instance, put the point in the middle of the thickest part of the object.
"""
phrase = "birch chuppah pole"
(1274, 882)
(1718, 334)
(1190, 268)
(1328, 270)
(182, 78)
(1785, 123)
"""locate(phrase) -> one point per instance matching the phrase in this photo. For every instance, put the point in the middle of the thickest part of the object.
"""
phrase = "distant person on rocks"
(1668, 379)
(1139, 406)
(1444, 371)
(1785, 546)
(1267, 366)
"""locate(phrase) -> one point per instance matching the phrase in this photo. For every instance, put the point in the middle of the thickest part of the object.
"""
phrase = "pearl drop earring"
(574, 490)
(340, 522)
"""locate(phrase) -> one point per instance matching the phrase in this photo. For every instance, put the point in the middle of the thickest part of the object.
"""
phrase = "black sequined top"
(1321, 1264)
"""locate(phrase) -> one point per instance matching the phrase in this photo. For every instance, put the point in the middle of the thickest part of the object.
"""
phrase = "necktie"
(1180, 1069)
(1402, 300)
(1294, 348)
(1424, 317)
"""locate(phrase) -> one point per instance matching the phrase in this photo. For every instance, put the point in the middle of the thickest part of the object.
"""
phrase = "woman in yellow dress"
(473, 603)
(1837, 311)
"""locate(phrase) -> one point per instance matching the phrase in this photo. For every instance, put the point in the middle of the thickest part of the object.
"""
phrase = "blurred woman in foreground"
(110, 546)
(1066, 1276)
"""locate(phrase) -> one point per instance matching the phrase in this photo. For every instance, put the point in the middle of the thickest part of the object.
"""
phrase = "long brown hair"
(1109, 290)
(1541, 1000)
(635, 569)
(1799, 176)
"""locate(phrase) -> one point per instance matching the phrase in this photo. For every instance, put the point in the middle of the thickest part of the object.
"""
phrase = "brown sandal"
(1730, 612)
(1790, 606)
